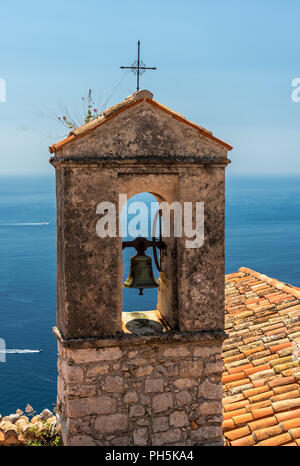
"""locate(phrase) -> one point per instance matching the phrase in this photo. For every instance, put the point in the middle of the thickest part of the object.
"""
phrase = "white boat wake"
(20, 351)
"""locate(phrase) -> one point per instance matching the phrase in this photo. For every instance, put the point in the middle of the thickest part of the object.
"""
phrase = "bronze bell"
(141, 273)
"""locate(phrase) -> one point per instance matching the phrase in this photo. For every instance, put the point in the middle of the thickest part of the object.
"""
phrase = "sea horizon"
(262, 233)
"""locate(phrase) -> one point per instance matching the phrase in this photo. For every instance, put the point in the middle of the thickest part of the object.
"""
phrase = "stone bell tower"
(117, 387)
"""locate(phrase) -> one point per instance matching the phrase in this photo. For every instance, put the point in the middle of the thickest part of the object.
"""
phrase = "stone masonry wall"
(147, 394)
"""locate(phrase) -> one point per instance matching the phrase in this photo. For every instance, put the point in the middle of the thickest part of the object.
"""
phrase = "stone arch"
(164, 187)
(149, 299)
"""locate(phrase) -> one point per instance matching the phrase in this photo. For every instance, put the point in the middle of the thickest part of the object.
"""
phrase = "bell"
(141, 273)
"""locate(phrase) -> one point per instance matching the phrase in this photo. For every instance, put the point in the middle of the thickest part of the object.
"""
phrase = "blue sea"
(262, 232)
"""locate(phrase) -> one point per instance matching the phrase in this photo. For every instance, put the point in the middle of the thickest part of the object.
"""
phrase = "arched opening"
(136, 220)
(140, 314)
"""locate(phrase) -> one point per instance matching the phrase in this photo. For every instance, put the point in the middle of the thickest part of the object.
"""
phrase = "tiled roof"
(261, 397)
(131, 101)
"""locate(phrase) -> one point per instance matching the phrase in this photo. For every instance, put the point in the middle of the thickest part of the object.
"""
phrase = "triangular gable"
(131, 101)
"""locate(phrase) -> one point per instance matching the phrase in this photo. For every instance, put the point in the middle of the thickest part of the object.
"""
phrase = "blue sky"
(227, 66)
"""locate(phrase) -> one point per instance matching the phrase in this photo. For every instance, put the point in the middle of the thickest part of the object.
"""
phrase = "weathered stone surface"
(214, 367)
(154, 385)
(162, 402)
(122, 441)
(112, 423)
(168, 437)
(89, 406)
(179, 419)
(14, 417)
(204, 351)
(136, 411)
(185, 383)
(82, 441)
(160, 424)
(92, 355)
(191, 368)
(113, 384)
(146, 370)
(207, 433)
(176, 351)
(208, 408)
(140, 436)
(131, 397)
(183, 398)
(82, 390)
(72, 374)
(210, 390)
(46, 414)
(95, 371)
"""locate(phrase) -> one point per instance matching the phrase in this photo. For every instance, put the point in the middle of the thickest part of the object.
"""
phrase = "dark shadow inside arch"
(144, 327)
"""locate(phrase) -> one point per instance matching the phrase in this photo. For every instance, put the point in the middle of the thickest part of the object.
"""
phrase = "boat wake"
(19, 351)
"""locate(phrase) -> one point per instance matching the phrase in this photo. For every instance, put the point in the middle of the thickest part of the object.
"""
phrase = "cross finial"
(138, 68)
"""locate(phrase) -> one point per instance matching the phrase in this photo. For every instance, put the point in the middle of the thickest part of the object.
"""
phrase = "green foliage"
(89, 113)
(45, 437)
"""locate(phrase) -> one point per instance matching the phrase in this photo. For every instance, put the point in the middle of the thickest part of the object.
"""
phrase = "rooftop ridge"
(287, 288)
(132, 100)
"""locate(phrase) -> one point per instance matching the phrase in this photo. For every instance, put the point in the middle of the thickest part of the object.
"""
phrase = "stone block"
(207, 433)
(178, 419)
(168, 437)
(146, 370)
(89, 406)
(95, 371)
(163, 402)
(140, 436)
(176, 351)
(131, 397)
(84, 390)
(160, 424)
(136, 411)
(183, 398)
(185, 383)
(208, 408)
(210, 390)
(114, 384)
(71, 374)
(80, 356)
(192, 368)
(214, 367)
(207, 351)
(111, 423)
(82, 441)
(154, 385)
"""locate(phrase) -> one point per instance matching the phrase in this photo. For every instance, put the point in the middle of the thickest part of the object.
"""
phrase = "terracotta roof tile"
(134, 99)
(268, 432)
(242, 419)
(247, 441)
(286, 415)
(262, 423)
(261, 361)
(291, 423)
(231, 414)
(276, 441)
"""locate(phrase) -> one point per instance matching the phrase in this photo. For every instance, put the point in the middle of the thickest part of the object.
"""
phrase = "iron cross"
(138, 68)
